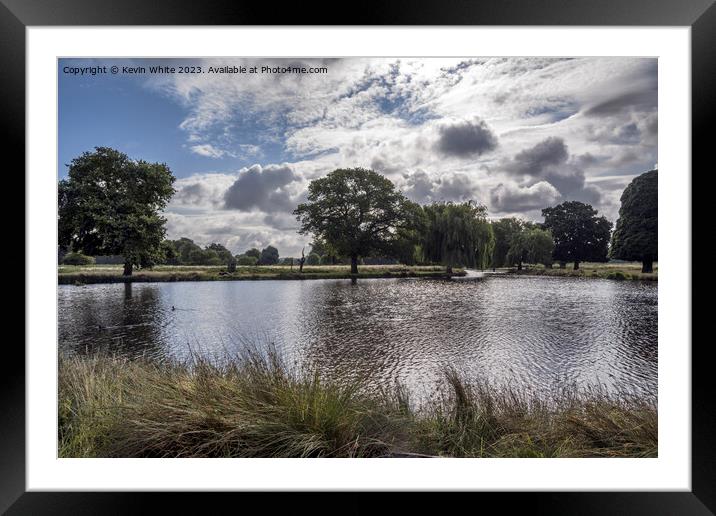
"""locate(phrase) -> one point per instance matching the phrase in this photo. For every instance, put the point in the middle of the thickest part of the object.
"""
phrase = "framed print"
(421, 252)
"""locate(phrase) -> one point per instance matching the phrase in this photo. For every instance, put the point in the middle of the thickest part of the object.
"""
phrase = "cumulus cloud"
(425, 188)
(511, 198)
(535, 160)
(465, 138)
(549, 161)
(522, 133)
(201, 191)
(269, 189)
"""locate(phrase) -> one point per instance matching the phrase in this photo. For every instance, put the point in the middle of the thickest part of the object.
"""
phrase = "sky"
(514, 134)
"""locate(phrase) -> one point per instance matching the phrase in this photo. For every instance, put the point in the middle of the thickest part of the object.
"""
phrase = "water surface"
(531, 332)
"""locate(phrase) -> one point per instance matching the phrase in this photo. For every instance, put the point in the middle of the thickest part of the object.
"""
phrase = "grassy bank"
(86, 274)
(615, 271)
(255, 406)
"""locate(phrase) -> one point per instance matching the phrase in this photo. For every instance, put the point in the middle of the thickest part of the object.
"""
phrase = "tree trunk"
(549, 265)
(562, 265)
(647, 266)
(354, 264)
(576, 265)
(448, 269)
(128, 266)
(519, 266)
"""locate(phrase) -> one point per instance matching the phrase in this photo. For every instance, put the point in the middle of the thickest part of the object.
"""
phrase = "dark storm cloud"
(549, 161)
(262, 188)
(465, 138)
(535, 160)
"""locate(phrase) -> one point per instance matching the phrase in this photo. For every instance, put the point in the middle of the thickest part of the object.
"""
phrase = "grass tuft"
(256, 406)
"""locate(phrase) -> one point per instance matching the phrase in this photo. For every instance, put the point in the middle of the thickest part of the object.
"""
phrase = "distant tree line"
(111, 205)
(185, 252)
(356, 215)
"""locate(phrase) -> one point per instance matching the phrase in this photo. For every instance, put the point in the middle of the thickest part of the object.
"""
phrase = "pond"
(531, 332)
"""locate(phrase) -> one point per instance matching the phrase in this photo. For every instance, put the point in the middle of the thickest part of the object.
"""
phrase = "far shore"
(81, 275)
(609, 270)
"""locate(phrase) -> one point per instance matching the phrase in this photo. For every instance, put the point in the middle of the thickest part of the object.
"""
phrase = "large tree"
(505, 231)
(111, 204)
(222, 252)
(458, 234)
(269, 256)
(636, 236)
(355, 212)
(531, 245)
(579, 233)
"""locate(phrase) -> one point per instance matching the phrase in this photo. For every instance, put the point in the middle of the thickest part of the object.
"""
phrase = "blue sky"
(516, 134)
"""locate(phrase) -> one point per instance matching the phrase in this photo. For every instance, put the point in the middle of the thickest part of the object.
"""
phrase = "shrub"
(231, 265)
(313, 259)
(77, 259)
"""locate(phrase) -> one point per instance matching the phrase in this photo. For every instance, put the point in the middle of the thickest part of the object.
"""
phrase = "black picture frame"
(700, 15)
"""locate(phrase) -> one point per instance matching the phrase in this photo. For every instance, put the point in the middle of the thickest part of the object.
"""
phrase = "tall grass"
(256, 406)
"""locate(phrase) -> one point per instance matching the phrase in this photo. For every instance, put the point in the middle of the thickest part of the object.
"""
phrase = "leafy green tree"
(579, 234)
(540, 246)
(110, 204)
(531, 245)
(206, 256)
(313, 259)
(458, 234)
(636, 236)
(169, 253)
(253, 252)
(244, 259)
(184, 248)
(355, 211)
(269, 256)
(222, 252)
(505, 230)
(325, 251)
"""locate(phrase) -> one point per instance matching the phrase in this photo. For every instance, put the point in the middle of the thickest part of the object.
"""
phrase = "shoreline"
(89, 277)
(598, 272)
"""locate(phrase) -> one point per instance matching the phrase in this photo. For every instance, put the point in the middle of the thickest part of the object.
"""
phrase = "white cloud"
(208, 150)
(509, 132)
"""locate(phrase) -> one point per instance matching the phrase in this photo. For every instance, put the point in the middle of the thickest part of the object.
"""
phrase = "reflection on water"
(532, 332)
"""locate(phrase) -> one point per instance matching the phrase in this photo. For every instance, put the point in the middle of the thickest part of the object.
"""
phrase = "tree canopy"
(531, 245)
(111, 204)
(458, 234)
(578, 233)
(636, 236)
(505, 231)
(355, 212)
(269, 256)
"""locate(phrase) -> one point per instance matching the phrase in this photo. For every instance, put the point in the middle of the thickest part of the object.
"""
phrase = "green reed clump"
(256, 406)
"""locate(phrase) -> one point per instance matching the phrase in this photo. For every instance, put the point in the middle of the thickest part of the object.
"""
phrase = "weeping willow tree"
(458, 234)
